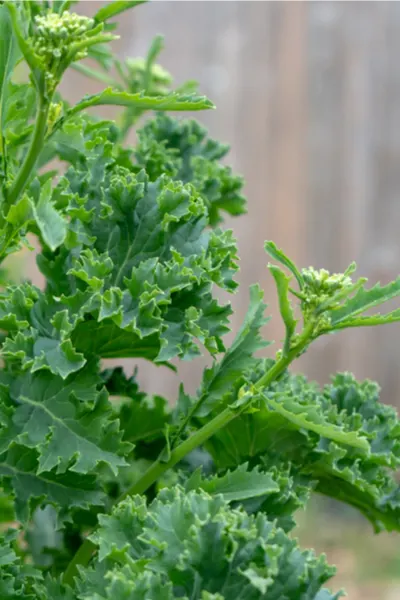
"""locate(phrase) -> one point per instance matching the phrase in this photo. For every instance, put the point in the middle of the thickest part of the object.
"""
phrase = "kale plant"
(106, 492)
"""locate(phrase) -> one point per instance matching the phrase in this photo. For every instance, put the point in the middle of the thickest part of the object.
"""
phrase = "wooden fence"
(308, 95)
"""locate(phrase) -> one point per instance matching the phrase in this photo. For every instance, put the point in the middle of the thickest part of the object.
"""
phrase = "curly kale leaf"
(276, 490)
(21, 580)
(18, 112)
(193, 545)
(17, 580)
(290, 427)
(181, 149)
(134, 277)
(55, 435)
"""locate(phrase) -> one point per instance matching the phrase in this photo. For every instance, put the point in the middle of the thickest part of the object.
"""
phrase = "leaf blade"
(51, 224)
(112, 9)
(364, 300)
(8, 56)
(239, 484)
(273, 250)
(170, 102)
(285, 307)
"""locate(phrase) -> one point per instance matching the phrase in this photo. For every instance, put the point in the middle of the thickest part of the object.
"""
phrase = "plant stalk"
(32, 155)
(158, 468)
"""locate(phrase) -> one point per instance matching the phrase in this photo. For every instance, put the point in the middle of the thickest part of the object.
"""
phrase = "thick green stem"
(286, 359)
(194, 441)
(198, 438)
(32, 155)
(158, 468)
(81, 557)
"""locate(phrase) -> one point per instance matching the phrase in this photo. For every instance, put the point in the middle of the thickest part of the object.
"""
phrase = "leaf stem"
(285, 360)
(32, 155)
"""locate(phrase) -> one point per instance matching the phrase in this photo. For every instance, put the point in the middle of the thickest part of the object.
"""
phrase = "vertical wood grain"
(308, 94)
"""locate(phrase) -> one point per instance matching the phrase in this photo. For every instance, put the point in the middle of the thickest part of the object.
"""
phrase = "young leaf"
(364, 300)
(240, 484)
(171, 102)
(282, 284)
(183, 150)
(20, 213)
(8, 58)
(112, 9)
(156, 47)
(278, 255)
(220, 379)
(51, 224)
(59, 6)
(31, 58)
(312, 419)
(368, 321)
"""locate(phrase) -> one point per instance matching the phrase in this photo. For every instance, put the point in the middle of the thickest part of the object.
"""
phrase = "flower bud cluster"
(55, 112)
(54, 36)
(320, 289)
(323, 283)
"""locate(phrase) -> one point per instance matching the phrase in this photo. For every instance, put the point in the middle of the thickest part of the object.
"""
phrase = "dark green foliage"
(110, 493)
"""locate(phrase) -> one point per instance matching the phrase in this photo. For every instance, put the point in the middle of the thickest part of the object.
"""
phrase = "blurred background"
(308, 96)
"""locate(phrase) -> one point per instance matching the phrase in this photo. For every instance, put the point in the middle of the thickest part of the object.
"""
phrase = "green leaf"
(170, 102)
(278, 255)
(156, 47)
(51, 224)
(221, 378)
(20, 213)
(312, 419)
(143, 418)
(31, 58)
(8, 58)
(111, 9)
(341, 470)
(240, 484)
(52, 416)
(59, 6)
(202, 548)
(364, 300)
(7, 513)
(182, 149)
(286, 310)
(126, 582)
(144, 295)
(68, 492)
(144, 421)
(15, 307)
(19, 110)
(17, 580)
(54, 352)
(368, 321)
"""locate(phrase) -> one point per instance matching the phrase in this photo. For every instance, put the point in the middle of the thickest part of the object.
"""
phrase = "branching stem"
(158, 468)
